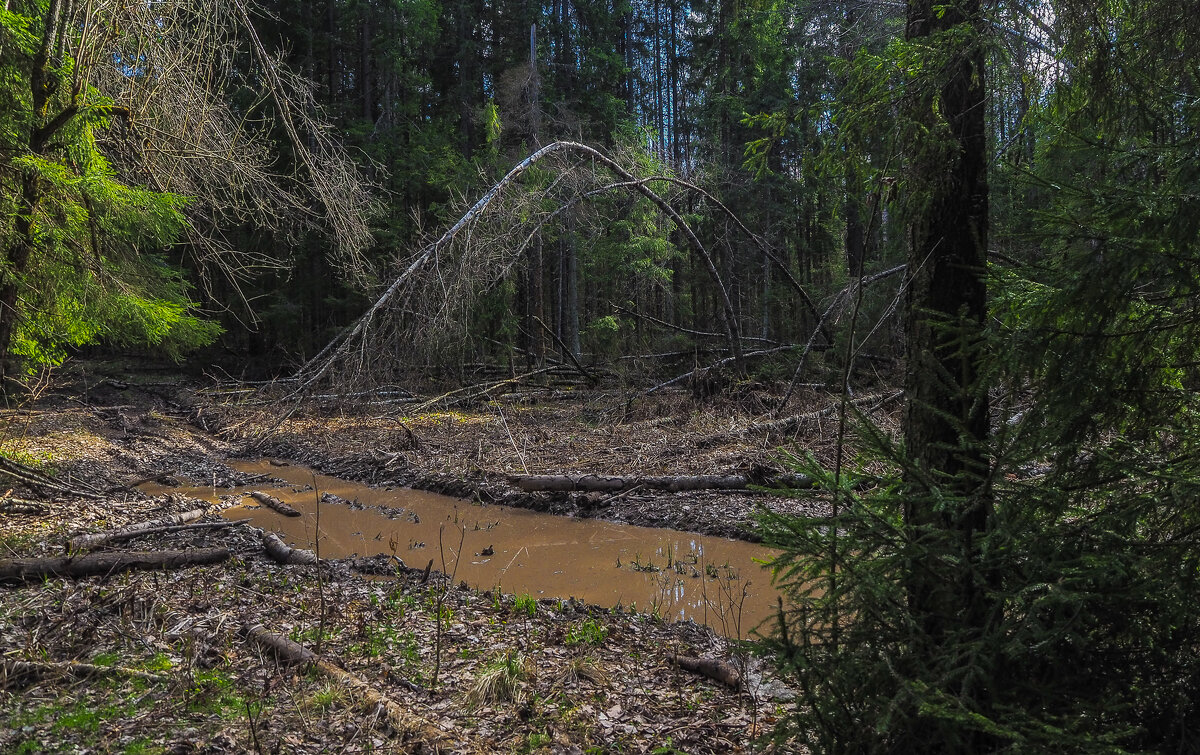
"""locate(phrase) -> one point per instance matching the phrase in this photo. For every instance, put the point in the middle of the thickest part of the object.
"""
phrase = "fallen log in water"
(282, 553)
(93, 564)
(612, 484)
(80, 542)
(273, 503)
(713, 668)
(401, 718)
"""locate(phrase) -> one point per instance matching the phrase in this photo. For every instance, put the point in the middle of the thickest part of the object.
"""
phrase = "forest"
(719, 376)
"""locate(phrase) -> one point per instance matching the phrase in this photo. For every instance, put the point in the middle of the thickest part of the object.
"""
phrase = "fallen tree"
(17, 570)
(791, 424)
(12, 669)
(80, 542)
(30, 476)
(21, 506)
(273, 503)
(401, 718)
(613, 484)
(122, 536)
(434, 294)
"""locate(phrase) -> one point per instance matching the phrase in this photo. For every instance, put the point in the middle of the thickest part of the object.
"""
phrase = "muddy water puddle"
(715, 581)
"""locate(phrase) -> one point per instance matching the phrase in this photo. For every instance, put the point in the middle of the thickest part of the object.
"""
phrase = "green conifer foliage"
(82, 252)
(1077, 625)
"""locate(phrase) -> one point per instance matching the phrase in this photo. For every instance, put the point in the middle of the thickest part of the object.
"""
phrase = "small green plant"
(106, 659)
(537, 740)
(213, 691)
(327, 696)
(160, 662)
(590, 632)
(525, 605)
(310, 634)
(637, 564)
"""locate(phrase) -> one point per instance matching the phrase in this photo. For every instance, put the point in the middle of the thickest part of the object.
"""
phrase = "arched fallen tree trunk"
(353, 341)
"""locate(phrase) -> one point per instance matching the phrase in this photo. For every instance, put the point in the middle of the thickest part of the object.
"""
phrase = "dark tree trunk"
(946, 415)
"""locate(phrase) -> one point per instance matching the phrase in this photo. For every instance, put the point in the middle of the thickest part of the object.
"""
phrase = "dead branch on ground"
(402, 718)
(791, 424)
(79, 542)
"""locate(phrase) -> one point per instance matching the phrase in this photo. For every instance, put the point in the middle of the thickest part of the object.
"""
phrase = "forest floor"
(175, 661)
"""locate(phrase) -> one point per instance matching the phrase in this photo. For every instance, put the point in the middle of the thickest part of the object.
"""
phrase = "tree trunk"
(103, 564)
(16, 255)
(946, 414)
(613, 484)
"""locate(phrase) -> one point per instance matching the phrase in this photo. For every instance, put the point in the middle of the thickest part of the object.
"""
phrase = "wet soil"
(171, 669)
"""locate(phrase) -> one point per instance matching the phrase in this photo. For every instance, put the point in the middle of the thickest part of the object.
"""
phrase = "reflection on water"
(715, 581)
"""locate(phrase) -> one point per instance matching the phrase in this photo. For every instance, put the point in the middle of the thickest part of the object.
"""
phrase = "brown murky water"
(715, 581)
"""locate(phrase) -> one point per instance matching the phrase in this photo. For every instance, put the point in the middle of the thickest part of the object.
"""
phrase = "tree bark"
(282, 553)
(612, 484)
(713, 668)
(400, 717)
(80, 542)
(103, 564)
(273, 503)
(947, 508)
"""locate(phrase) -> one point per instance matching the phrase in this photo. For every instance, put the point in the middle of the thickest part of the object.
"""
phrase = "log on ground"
(273, 503)
(93, 564)
(713, 668)
(613, 484)
(282, 553)
(21, 506)
(401, 718)
(80, 542)
(119, 537)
